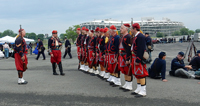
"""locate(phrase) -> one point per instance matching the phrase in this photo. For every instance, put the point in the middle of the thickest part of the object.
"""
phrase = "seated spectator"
(195, 62)
(179, 69)
(158, 68)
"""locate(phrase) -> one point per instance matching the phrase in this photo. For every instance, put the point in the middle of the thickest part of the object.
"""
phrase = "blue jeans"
(6, 52)
(197, 72)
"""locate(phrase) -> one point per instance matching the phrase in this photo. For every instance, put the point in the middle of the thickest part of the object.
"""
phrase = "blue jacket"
(176, 64)
(20, 46)
(160, 67)
(113, 44)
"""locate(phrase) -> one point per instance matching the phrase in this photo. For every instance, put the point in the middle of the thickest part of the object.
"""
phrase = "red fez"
(97, 29)
(54, 32)
(105, 29)
(87, 29)
(78, 29)
(101, 30)
(20, 30)
(92, 31)
(83, 28)
(136, 25)
(127, 25)
(113, 27)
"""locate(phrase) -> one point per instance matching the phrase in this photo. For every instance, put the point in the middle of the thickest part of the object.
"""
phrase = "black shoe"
(55, 73)
(139, 96)
(36, 59)
(111, 83)
(134, 93)
(62, 74)
(70, 58)
(115, 85)
(44, 59)
(23, 83)
(121, 88)
(126, 90)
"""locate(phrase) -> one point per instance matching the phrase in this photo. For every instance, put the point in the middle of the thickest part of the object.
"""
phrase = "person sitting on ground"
(195, 62)
(158, 68)
(179, 69)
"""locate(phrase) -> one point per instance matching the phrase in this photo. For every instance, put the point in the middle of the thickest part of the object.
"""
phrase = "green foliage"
(197, 30)
(1, 35)
(191, 32)
(176, 33)
(159, 34)
(9, 33)
(62, 36)
(71, 33)
(41, 36)
(184, 31)
(31, 36)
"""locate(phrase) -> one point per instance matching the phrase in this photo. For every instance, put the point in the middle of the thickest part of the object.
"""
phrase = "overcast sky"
(43, 16)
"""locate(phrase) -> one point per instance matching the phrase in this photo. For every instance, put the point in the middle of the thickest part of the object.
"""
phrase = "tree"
(159, 34)
(71, 32)
(1, 35)
(191, 32)
(41, 36)
(32, 36)
(176, 33)
(62, 36)
(197, 30)
(184, 31)
(8, 32)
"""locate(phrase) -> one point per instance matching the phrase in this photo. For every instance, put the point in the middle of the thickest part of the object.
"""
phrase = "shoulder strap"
(154, 66)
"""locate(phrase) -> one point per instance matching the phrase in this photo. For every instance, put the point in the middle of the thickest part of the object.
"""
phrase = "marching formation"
(124, 54)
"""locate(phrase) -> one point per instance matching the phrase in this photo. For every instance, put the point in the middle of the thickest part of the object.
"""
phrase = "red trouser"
(19, 62)
(138, 70)
(91, 57)
(56, 56)
(101, 60)
(82, 54)
(111, 63)
(78, 52)
(123, 67)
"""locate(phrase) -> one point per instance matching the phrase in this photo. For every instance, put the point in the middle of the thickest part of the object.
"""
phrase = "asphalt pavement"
(79, 89)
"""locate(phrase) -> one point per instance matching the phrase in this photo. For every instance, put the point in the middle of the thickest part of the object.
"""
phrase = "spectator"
(6, 50)
(158, 68)
(30, 47)
(40, 49)
(195, 62)
(149, 46)
(179, 69)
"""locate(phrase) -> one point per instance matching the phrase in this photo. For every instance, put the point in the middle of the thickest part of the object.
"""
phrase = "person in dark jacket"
(67, 48)
(178, 68)
(195, 62)
(149, 46)
(158, 67)
(40, 49)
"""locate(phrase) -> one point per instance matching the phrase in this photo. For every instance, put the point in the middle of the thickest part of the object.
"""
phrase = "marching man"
(86, 50)
(124, 57)
(101, 52)
(21, 60)
(55, 52)
(78, 44)
(113, 50)
(138, 67)
(91, 51)
(84, 34)
(105, 56)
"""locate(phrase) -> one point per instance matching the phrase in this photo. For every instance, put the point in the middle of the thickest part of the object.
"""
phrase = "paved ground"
(78, 88)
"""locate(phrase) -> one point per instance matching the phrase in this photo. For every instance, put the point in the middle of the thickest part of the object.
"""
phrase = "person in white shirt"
(6, 50)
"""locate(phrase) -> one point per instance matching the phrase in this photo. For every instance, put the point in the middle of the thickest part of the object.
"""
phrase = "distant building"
(148, 25)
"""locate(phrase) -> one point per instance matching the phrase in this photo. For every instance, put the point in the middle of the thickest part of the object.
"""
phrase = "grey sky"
(43, 16)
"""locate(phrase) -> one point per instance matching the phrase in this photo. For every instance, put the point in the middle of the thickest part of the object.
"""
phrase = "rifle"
(24, 64)
(189, 48)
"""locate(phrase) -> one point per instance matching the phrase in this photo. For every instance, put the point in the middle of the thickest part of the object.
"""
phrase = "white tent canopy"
(12, 39)
(7, 39)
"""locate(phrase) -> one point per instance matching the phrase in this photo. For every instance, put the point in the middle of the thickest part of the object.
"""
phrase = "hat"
(146, 33)
(54, 32)
(161, 54)
(101, 30)
(105, 30)
(78, 29)
(136, 25)
(97, 29)
(198, 51)
(83, 28)
(86, 29)
(113, 27)
(127, 25)
(20, 30)
(92, 31)
(38, 38)
(181, 53)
